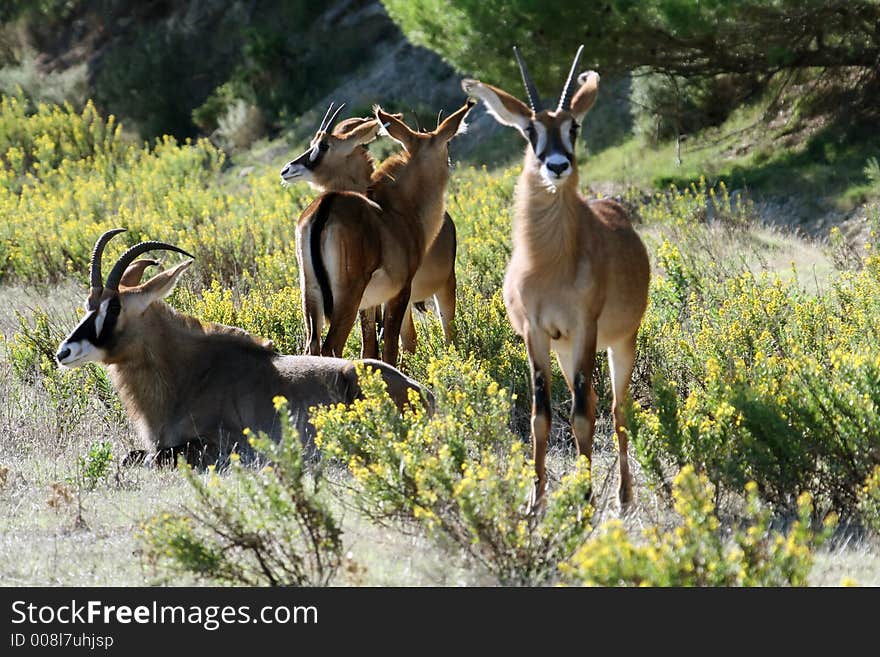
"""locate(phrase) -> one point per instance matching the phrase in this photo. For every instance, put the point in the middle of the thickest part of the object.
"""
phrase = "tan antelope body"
(183, 381)
(344, 164)
(357, 252)
(578, 276)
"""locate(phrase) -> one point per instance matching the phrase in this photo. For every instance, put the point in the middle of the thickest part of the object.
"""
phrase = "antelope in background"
(357, 252)
(339, 161)
(578, 276)
(183, 381)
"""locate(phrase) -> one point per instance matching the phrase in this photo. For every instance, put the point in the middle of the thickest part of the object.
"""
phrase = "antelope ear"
(362, 134)
(138, 299)
(506, 109)
(454, 123)
(585, 96)
(394, 127)
(135, 271)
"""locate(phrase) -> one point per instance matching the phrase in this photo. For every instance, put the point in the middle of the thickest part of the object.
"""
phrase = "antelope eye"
(323, 146)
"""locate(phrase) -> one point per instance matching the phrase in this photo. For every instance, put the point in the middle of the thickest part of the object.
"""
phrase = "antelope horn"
(333, 118)
(323, 125)
(129, 256)
(531, 90)
(416, 117)
(96, 280)
(568, 89)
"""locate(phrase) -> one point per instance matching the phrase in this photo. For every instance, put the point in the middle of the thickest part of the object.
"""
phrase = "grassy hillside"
(757, 366)
(811, 143)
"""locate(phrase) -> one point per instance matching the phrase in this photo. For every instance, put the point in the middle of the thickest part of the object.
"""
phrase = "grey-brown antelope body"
(578, 276)
(358, 252)
(338, 161)
(183, 381)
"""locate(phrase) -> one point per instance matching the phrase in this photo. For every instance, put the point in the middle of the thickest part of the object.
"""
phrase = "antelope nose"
(557, 167)
(62, 354)
(285, 170)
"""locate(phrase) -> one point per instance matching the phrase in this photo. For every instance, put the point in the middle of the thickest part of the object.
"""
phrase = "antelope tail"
(321, 216)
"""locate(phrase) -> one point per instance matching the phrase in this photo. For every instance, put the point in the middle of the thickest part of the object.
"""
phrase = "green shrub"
(95, 465)
(460, 474)
(699, 552)
(670, 105)
(266, 527)
(753, 379)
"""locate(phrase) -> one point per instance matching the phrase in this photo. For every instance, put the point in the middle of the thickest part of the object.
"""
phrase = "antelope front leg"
(538, 347)
(408, 331)
(621, 360)
(369, 338)
(445, 300)
(583, 396)
(395, 309)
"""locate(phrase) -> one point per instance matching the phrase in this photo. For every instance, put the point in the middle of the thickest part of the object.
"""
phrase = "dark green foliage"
(684, 37)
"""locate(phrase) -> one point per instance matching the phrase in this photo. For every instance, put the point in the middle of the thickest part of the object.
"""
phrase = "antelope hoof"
(134, 458)
(590, 497)
(625, 494)
(536, 500)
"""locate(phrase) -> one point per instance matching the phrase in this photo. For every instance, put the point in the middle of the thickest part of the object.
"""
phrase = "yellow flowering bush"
(65, 177)
(697, 552)
(753, 379)
(740, 371)
(869, 500)
(254, 527)
(460, 473)
(750, 377)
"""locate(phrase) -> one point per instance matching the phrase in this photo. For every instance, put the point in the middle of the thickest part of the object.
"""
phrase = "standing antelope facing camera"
(357, 251)
(578, 275)
(185, 382)
(339, 161)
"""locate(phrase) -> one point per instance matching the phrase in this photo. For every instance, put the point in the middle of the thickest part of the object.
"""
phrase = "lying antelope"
(357, 251)
(182, 380)
(338, 161)
(578, 275)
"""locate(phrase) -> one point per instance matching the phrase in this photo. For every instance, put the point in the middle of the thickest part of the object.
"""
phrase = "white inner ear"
(462, 128)
(383, 131)
(101, 316)
(497, 109)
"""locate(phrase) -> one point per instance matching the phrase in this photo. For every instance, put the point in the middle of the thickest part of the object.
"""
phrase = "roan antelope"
(358, 251)
(339, 161)
(185, 382)
(578, 274)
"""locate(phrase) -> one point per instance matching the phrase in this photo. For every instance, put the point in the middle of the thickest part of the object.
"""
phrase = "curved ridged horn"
(129, 256)
(96, 280)
(568, 89)
(531, 90)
